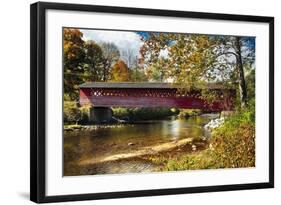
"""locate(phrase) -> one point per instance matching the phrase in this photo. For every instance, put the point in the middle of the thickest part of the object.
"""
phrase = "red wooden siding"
(154, 97)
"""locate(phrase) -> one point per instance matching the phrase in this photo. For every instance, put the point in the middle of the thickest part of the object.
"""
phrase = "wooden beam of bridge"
(153, 95)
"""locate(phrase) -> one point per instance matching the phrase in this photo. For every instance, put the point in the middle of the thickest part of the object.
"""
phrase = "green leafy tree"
(187, 60)
(137, 75)
(93, 61)
(158, 71)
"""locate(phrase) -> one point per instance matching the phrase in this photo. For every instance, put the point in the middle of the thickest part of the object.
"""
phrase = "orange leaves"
(120, 71)
(73, 56)
(72, 43)
(73, 35)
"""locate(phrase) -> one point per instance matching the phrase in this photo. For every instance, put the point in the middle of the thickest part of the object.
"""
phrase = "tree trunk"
(105, 75)
(136, 74)
(240, 72)
(92, 73)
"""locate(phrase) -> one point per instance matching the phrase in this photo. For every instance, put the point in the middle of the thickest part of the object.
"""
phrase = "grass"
(231, 146)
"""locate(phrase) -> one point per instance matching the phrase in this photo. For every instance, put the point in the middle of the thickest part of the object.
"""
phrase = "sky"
(129, 40)
(122, 39)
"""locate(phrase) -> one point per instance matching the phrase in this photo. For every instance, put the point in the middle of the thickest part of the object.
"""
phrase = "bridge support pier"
(100, 114)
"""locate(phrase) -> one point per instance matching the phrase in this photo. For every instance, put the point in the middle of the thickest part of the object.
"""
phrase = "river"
(85, 150)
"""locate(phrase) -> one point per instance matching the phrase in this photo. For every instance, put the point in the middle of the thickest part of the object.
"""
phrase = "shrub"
(189, 162)
(142, 113)
(186, 113)
(85, 114)
(235, 148)
(231, 146)
(71, 112)
(121, 113)
(234, 142)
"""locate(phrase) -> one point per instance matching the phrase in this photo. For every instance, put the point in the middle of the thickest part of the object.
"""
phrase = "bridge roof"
(146, 85)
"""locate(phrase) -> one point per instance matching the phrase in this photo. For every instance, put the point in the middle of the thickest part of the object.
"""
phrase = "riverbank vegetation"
(186, 113)
(75, 114)
(136, 114)
(231, 146)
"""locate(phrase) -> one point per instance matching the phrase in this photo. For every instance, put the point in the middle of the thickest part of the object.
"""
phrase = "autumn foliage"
(73, 58)
(120, 71)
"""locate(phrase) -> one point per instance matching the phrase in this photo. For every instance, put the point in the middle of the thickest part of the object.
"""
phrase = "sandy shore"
(143, 151)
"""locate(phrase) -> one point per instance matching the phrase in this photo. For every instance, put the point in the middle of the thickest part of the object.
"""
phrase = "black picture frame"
(38, 101)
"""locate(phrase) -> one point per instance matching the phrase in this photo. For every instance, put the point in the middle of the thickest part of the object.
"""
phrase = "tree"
(194, 58)
(187, 60)
(110, 56)
(73, 61)
(244, 55)
(137, 75)
(93, 61)
(129, 57)
(158, 71)
(240, 72)
(120, 72)
(250, 83)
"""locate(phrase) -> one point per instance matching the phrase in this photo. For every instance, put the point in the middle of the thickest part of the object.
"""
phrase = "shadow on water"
(102, 142)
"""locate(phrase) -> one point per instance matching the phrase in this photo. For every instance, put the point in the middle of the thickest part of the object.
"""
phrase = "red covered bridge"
(100, 94)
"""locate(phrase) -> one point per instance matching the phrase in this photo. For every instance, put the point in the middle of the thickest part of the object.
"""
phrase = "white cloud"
(164, 53)
(124, 40)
